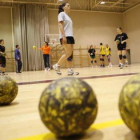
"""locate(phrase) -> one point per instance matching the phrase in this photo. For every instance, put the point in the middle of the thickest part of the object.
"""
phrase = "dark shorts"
(70, 40)
(121, 48)
(2, 61)
(92, 56)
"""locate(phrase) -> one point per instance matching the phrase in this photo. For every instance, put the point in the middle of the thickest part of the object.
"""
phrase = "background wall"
(91, 28)
(6, 34)
(131, 21)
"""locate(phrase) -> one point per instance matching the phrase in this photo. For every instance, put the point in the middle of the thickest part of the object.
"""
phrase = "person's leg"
(120, 59)
(124, 57)
(91, 61)
(70, 58)
(68, 51)
(48, 61)
(70, 62)
(70, 65)
(95, 61)
(3, 65)
(44, 58)
(19, 66)
(103, 60)
(109, 60)
(16, 66)
(120, 56)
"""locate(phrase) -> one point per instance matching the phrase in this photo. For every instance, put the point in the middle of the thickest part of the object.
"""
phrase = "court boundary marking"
(94, 127)
(83, 78)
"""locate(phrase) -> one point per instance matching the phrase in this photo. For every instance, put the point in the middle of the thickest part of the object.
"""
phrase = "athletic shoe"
(121, 67)
(71, 72)
(57, 69)
(3, 73)
(18, 72)
(110, 65)
(101, 65)
(126, 64)
(76, 73)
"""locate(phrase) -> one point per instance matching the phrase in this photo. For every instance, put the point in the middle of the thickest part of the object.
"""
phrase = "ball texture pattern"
(68, 106)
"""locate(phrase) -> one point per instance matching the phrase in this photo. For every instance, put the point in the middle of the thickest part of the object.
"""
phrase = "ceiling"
(119, 6)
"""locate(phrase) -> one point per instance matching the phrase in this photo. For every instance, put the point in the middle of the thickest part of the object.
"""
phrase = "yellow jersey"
(102, 50)
(108, 51)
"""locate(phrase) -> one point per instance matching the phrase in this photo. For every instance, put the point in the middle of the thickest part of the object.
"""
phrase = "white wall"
(131, 21)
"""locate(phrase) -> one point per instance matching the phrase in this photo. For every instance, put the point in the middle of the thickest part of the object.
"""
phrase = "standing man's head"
(17, 47)
(119, 30)
(1, 42)
(64, 7)
(46, 43)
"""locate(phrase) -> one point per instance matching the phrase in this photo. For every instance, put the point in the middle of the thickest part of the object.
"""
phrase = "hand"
(64, 40)
(122, 42)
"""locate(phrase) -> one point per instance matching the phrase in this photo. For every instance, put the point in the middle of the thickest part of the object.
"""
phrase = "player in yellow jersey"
(102, 55)
(108, 54)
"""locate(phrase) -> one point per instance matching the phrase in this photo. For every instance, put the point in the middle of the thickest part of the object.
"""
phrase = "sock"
(57, 65)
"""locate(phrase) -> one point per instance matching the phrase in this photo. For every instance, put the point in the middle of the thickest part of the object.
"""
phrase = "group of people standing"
(3, 57)
(67, 40)
(103, 51)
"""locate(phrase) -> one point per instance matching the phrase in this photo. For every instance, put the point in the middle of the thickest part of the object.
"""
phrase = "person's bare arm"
(60, 25)
(124, 41)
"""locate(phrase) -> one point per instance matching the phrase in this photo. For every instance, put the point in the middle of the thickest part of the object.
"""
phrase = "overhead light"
(102, 2)
(60, 0)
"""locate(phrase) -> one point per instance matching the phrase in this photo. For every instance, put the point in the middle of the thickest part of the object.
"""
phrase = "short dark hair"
(101, 43)
(16, 46)
(1, 40)
(60, 8)
(46, 43)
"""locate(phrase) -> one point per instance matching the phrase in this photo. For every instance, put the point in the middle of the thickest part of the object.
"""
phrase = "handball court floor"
(21, 120)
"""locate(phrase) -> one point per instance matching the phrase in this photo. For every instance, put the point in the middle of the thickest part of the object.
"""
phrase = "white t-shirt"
(67, 24)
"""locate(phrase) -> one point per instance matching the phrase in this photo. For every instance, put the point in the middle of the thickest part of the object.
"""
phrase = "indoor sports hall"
(69, 69)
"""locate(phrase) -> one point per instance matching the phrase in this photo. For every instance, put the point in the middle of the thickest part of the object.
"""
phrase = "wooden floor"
(21, 118)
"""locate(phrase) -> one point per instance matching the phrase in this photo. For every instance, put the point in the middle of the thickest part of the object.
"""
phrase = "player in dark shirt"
(120, 41)
(2, 57)
(92, 52)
